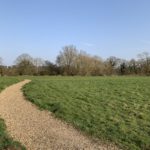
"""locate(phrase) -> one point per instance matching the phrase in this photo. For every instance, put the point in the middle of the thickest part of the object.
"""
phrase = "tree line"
(70, 61)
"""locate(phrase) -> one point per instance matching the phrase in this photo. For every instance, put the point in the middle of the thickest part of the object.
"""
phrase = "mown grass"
(115, 109)
(6, 142)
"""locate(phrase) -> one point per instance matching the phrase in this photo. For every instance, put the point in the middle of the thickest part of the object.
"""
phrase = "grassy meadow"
(115, 109)
(6, 142)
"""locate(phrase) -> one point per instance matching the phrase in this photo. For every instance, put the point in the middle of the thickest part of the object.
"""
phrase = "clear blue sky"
(100, 27)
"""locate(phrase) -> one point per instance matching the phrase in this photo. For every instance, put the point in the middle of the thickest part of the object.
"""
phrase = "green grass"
(115, 109)
(6, 81)
(6, 142)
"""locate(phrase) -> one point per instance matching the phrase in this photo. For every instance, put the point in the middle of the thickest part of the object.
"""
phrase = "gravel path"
(39, 130)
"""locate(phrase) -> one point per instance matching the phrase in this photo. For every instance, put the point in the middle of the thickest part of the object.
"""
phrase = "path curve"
(39, 130)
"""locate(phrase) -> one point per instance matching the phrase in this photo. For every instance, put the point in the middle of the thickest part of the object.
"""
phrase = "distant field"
(5, 141)
(115, 109)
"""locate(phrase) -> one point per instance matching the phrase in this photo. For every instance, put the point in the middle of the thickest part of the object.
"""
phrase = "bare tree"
(112, 63)
(23, 57)
(38, 63)
(89, 65)
(25, 65)
(133, 66)
(67, 58)
(144, 60)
